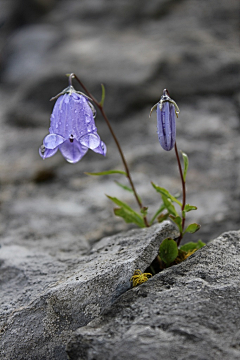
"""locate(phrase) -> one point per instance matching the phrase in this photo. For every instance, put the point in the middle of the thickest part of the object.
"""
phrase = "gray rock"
(189, 311)
(44, 299)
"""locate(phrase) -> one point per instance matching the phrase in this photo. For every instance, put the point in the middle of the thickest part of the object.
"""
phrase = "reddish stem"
(100, 107)
(183, 191)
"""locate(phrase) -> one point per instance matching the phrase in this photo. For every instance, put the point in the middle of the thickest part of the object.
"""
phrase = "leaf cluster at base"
(170, 254)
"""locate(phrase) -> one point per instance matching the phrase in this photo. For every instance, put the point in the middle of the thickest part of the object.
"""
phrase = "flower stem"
(183, 191)
(100, 107)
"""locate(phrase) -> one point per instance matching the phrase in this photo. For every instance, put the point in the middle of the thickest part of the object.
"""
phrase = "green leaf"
(188, 207)
(162, 207)
(169, 206)
(188, 246)
(103, 95)
(166, 193)
(123, 186)
(121, 203)
(106, 173)
(128, 217)
(178, 221)
(192, 228)
(185, 162)
(162, 217)
(127, 213)
(192, 246)
(127, 188)
(200, 244)
(168, 251)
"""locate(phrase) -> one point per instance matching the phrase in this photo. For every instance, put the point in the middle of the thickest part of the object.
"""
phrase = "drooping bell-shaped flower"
(72, 129)
(167, 110)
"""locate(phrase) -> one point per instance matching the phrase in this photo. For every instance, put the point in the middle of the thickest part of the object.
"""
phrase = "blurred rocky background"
(136, 48)
(50, 212)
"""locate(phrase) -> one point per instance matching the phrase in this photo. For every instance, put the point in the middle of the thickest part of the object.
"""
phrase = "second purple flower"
(167, 110)
(72, 129)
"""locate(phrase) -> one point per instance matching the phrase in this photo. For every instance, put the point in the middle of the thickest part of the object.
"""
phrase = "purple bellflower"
(167, 110)
(72, 129)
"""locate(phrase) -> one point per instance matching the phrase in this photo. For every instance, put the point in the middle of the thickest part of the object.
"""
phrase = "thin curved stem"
(183, 191)
(100, 107)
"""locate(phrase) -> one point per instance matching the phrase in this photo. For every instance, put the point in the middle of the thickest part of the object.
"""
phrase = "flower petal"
(166, 124)
(91, 140)
(72, 115)
(72, 151)
(173, 123)
(101, 149)
(46, 153)
(51, 141)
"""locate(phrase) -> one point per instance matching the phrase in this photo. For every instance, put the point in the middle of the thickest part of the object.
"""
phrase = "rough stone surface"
(189, 311)
(45, 299)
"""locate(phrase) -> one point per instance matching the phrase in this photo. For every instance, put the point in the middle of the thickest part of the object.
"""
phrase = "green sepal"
(178, 221)
(192, 246)
(169, 206)
(168, 251)
(103, 96)
(185, 163)
(162, 207)
(192, 228)
(162, 217)
(108, 172)
(166, 193)
(127, 213)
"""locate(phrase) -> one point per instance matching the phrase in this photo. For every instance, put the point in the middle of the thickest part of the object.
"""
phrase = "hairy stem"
(183, 192)
(100, 107)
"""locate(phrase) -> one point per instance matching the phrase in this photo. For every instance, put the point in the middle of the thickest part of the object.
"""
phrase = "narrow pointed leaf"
(168, 251)
(121, 203)
(185, 162)
(192, 228)
(127, 213)
(127, 188)
(178, 221)
(106, 173)
(103, 95)
(166, 193)
(128, 217)
(169, 206)
(162, 207)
